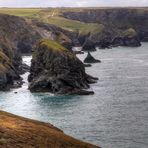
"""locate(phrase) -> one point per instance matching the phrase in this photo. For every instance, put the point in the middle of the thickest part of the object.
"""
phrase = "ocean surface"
(116, 116)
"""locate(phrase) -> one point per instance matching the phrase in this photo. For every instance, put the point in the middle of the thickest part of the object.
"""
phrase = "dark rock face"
(19, 32)
(115, 21)
(91, 59)
(8, 73)
(89, 46)
(17, 36)
(126, 41)
(57, 70)
(63, 37)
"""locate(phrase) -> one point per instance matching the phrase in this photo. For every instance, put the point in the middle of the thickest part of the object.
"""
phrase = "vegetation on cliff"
(54, 16)
(57, 70)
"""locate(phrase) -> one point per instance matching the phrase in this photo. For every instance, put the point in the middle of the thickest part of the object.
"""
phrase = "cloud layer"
(71, 3)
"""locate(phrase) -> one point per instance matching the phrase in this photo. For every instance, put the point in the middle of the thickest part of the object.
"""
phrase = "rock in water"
(57, 70)
(91, 59)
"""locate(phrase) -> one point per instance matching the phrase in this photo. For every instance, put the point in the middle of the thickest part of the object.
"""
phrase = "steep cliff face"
(10, 63)
(57, 70)
(115, 21)
(7, 71)
(17, 36)
(19, 32)
(24, 33)
(17, 131)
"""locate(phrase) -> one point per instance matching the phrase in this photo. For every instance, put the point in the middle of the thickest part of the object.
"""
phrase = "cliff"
(88, 27)
(116, 21)
(57, 70)
(18, 35)
(16, 131)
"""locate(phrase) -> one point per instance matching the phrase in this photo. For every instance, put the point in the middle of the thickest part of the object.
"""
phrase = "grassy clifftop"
(54, 16)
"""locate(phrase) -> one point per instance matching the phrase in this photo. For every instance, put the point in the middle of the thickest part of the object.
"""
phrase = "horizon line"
(80, 7)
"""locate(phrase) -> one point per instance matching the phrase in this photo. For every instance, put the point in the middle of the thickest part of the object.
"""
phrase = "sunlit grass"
(54, 17)
(24, 12)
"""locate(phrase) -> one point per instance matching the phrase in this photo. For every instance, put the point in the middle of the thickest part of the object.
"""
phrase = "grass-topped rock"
(57, 70)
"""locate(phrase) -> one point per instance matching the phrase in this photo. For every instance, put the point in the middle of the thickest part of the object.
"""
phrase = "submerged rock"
(91, 59)
(57, 70)
(21, 132)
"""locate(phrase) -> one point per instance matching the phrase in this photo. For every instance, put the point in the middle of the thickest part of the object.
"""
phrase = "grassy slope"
(53, 16)
(17, 131)
(24, 12)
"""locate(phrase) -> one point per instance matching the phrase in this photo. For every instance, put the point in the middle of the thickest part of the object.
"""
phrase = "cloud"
(71, 3)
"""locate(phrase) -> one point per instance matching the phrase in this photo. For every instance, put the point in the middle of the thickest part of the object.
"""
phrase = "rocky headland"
(120, 26)
(18, 36)
(57, 70)
(16, 131)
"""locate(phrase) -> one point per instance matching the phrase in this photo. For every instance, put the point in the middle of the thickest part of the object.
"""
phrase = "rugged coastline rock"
(116, 22)
(18, 35)
(91, 59)
(16, 131)
(57, 70)
(9, 65)
(19, 32)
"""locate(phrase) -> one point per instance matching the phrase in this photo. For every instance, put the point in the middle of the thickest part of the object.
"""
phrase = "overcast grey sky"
(71, 3)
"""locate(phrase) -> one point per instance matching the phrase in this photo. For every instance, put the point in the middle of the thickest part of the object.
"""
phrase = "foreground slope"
(17, 131)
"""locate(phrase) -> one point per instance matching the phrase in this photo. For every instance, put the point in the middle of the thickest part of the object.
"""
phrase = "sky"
(71, 3)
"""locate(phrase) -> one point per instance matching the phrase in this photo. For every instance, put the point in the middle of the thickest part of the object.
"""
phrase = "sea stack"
(57, 70)
(91, 59)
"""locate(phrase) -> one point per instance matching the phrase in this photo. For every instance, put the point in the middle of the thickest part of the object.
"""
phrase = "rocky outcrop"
(16, 131)
(128, 38)
(91, 59)
(9, 65)
(19, 32)
(17, 36)
(48, 31)
(57, 70)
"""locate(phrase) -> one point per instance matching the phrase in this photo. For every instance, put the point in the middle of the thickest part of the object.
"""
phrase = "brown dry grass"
(19, 132)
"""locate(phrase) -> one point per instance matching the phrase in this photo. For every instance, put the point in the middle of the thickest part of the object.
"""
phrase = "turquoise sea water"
(116, 116)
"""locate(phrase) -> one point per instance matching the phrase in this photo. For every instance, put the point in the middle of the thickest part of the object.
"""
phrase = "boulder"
(91, 59)
(57, 70)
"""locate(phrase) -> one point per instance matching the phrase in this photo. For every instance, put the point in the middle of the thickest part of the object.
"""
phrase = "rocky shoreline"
(16, 131)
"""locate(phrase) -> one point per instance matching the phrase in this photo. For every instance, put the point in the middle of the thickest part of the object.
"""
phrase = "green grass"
(73, 25)
(53, 16)
(23, 12)
(52, 45)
